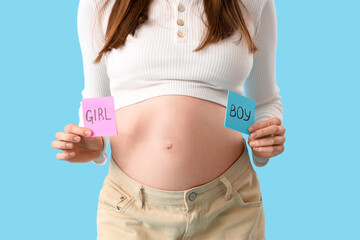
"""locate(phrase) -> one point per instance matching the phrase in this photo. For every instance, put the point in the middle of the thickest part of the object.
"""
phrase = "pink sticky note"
(99, 115)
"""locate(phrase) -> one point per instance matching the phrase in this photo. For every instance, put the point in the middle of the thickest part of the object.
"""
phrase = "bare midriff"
(174, 142)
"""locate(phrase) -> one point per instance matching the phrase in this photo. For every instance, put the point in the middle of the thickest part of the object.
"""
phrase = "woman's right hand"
(77, 147)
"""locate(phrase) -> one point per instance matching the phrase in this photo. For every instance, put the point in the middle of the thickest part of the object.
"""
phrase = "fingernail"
(68, 145)
(87, 133)
(253, 135)
(71, 154)
(77, 139)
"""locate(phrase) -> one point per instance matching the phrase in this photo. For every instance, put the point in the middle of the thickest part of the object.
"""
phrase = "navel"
(169, 145)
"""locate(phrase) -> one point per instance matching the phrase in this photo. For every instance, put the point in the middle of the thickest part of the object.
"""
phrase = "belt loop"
(228, 187)
(141, 197)
(186, 202)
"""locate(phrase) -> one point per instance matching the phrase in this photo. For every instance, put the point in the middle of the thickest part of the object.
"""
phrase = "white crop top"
(159, 59)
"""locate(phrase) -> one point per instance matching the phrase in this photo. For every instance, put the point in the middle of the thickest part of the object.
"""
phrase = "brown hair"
(224, 17)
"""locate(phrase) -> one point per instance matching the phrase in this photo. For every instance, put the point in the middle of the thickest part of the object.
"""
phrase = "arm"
(261, 82)
(96, 81)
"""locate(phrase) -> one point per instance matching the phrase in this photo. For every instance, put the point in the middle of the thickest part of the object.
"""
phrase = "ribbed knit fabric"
(157, 61)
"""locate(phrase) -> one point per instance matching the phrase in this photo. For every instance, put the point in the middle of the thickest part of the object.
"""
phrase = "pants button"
(192, 196)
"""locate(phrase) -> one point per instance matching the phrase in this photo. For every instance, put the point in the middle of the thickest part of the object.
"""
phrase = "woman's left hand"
(267, 138)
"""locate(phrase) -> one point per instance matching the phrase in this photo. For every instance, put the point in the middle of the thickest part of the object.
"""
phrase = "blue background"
(310, 191)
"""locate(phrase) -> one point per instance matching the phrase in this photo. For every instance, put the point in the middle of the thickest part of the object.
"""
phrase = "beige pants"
(229, 207)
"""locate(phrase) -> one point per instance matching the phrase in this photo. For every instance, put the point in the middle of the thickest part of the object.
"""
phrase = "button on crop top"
(159, 59)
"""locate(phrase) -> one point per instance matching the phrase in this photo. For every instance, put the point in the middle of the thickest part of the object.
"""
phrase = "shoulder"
(255, 7)
(88, 13)
(92, 6)
(92, 2)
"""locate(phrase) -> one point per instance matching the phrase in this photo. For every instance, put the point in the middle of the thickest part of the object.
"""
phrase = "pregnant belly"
(174, 142)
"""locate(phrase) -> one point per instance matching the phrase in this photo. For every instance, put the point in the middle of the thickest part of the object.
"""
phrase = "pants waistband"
(205, 192)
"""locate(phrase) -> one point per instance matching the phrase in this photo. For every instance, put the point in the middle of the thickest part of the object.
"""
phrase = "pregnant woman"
(175, 171)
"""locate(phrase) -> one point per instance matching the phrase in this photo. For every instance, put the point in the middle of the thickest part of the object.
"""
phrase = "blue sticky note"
(240, 112)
